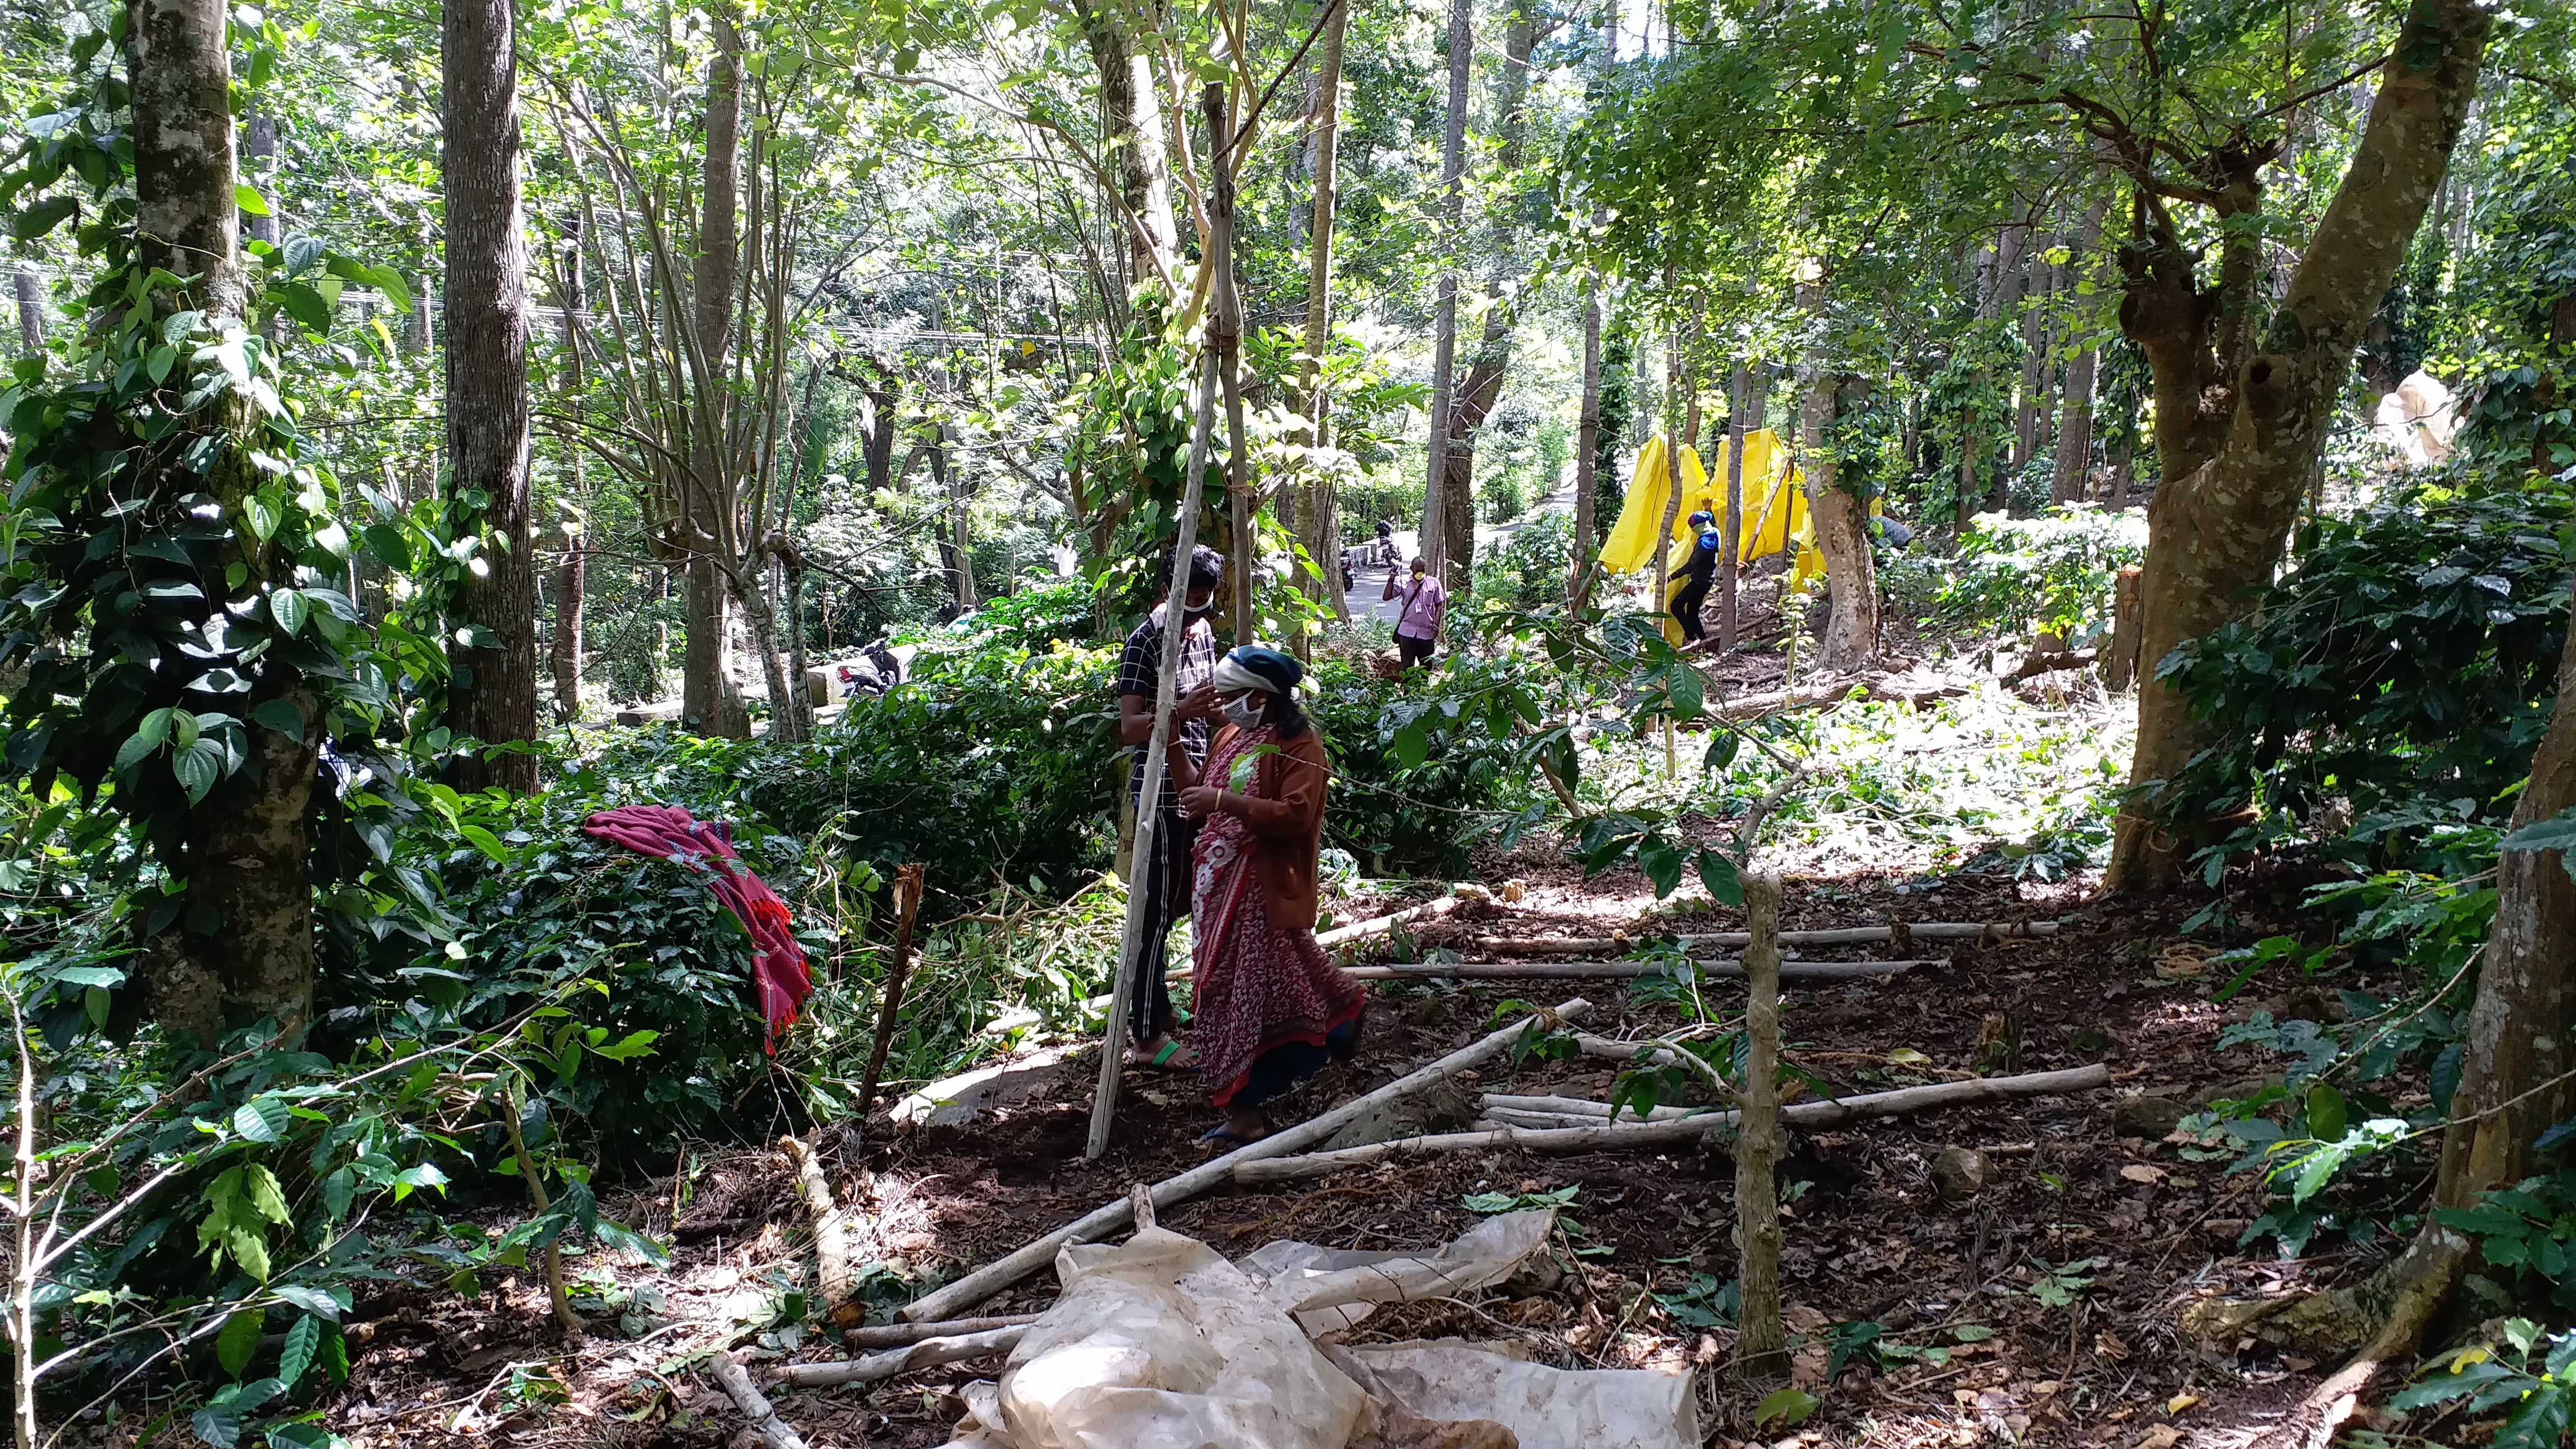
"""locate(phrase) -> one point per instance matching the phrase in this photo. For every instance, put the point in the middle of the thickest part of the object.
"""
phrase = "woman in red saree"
(1268, 1009)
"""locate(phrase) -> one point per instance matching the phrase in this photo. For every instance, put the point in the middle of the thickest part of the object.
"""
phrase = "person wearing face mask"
(1267, 1008)
(1150, 1017)
(1417, 625)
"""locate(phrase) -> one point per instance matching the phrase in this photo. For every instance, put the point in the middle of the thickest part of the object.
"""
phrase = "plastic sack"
(1159, 1343)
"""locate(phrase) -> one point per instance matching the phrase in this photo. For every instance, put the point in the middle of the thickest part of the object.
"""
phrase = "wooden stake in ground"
(832, 1276)
(907, 905)
(1762, 1345)
(1149, 797)
(984, 1282)
(774, 1431)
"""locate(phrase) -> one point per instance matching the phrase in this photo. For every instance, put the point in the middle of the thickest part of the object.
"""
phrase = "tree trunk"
(1587, 445)
(31, 311)
(571, 581)
(2000, 296)
(1841, 523)
(2074, 471)
(1321, 533)
(1131, 127)
(1739, 405)
(2034, 355)
(1484, 385)
(1225, 334)
(492, 694)
(259, 152)
(1762, 1347)
(249, 952)
(1444, 344)
(186, 221)
(2216, 534)
(709, 702)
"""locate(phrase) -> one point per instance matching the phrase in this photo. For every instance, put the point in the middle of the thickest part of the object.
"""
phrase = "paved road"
(1364, 598)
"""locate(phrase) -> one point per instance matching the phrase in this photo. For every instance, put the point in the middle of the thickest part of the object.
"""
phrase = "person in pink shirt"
(1417, 628)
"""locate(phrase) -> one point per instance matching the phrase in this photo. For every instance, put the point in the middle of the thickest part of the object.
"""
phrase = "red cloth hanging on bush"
(779, 977)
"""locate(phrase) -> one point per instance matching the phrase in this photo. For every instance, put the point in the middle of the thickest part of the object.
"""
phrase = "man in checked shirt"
(1166, 882)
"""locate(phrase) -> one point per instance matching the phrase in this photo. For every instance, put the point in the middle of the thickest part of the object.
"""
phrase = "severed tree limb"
(774, 1431)
(1619, 1136)
(907, 905)
(832, 1274)
(903, 1335)
(1380, 925)
(928, 1353)
(983, 1283)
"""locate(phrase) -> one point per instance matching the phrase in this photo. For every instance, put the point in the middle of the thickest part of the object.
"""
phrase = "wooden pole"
(927, 1353)
(983, 1283)
(774, 1431)
(1762, 1345)
(1622, 970)
(1149, 798)
(1620, 1136)
(903, 1335)
(907, 906)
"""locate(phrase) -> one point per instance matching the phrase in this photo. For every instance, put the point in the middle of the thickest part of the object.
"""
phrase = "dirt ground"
(2050, 1292)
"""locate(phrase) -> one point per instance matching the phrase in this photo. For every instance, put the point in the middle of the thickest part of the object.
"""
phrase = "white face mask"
(1243, 710)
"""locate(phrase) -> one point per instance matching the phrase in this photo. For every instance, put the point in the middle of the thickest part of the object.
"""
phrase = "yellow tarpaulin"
(1775, 510)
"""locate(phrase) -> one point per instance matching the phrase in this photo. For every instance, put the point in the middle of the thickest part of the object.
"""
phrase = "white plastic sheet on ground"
(2419, 420)
(1159, 1343)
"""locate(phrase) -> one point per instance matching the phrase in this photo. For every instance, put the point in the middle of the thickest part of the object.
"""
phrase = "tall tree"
(244, 949)
(493, 694)
(31, 309)
(1320, 523)
(1473, 399)
(1444, 338)
(2074, 462)
(1851, 627)
(1132, 131)
(708, 699)
(2217, 531)
(572, 581)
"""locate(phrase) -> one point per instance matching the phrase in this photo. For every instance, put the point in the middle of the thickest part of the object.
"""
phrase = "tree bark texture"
(2216, 534)
(709, 703)
(492, 694)
(571, 570)
(1841, 522)
(1225, 334)
(1131, 126)
(1444, 343)
(259, 156)
(1762, 1344)
(31, 310)
(1587, 444)
(1320, 517)
(185, 218)
(1739, 406)
(1484, 384)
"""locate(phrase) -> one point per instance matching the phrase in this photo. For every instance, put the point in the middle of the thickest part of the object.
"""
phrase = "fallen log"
(1380, 925)
(2049, 662)
(832, 1274)
(1882, 686)
(928, 1353)
(984, 1282)
(774, 1431)
(1619, 970)
(1981, 931)
(1609, 1137)
(904, 1335)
